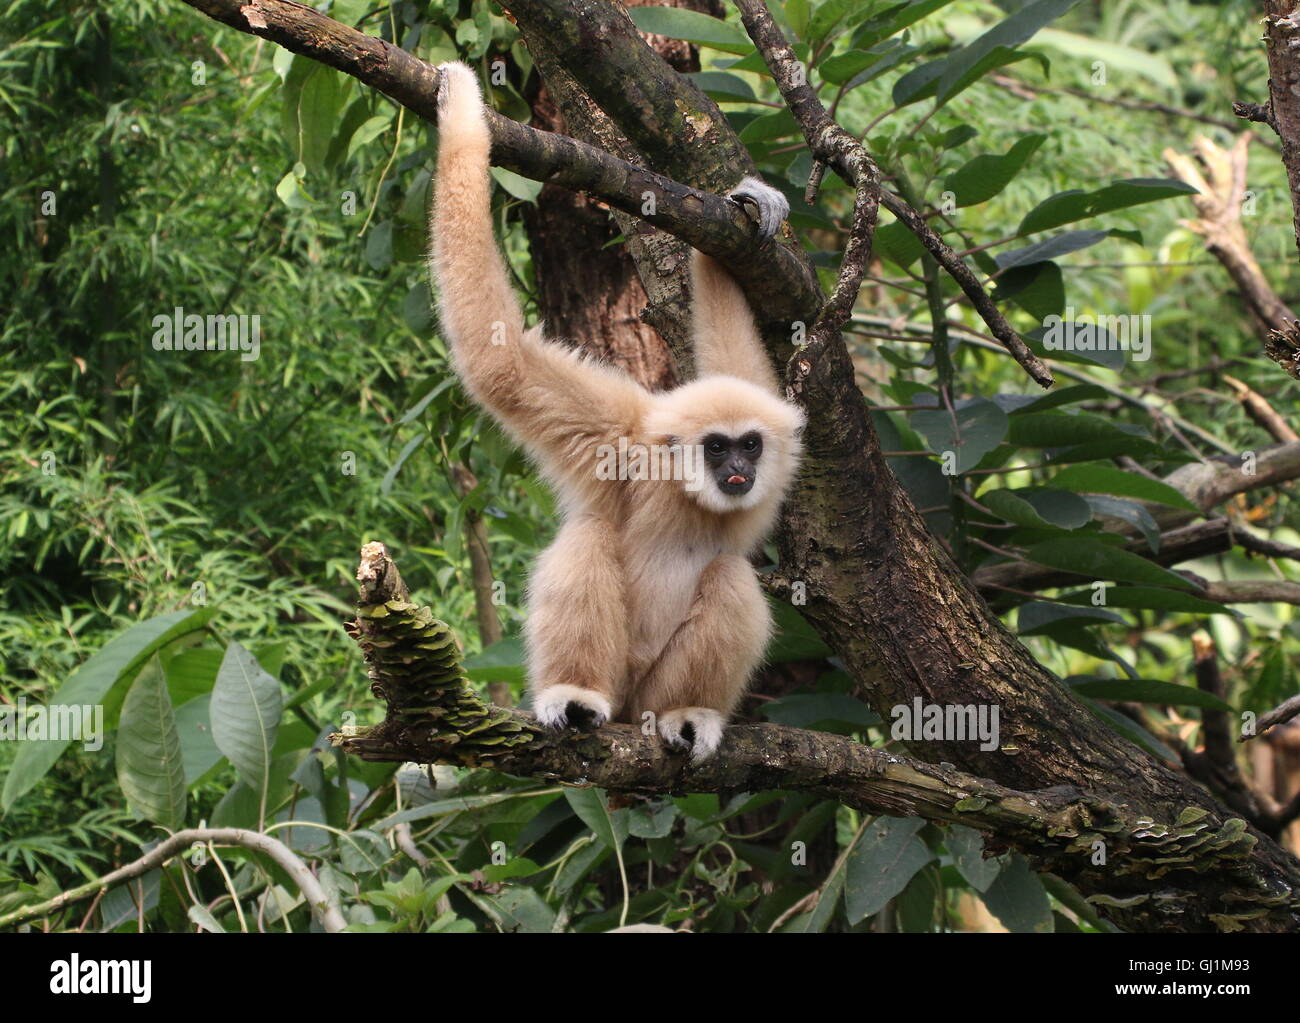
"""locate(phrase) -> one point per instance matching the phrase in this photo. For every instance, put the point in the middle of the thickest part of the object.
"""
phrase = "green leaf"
(967, 848)
(1006, 35)
(149, 764)
(1040, 617)
(1011, 506)
(199, 753)
(1052, 399)
(884, 859)
(1059, 507)
(897, 244)
(1128, 511)
(722, 87)
(113, 666)
(1062, 429)
(1145, 690)
(592, 808)
(1095, 560)
(1074, 205)
(810, 710)
(983, 177)
(679, 23)
(503, 661)
(1050, 248)
(1148, 598)
(1131, 730)
(1105, 479)
(979, 428)
(246, 709)
(893, 20)
(516, 184)
(368, 131)
(1017, 898)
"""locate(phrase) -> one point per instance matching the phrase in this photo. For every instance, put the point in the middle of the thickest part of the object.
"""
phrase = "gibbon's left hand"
(772, 206)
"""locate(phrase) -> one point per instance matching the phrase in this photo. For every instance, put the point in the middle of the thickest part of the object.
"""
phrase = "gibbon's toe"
(698, 729)
(570, 707)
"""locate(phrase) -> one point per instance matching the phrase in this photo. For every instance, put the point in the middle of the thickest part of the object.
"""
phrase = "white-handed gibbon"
(646, 601)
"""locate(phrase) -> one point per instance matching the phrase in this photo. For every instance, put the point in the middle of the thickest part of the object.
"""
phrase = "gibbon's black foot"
(772, 206)
(570, 707)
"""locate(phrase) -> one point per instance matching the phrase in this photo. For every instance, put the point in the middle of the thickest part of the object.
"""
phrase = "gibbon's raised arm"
(558, 404)
(725, 338)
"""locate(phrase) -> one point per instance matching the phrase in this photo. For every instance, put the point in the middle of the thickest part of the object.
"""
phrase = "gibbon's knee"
(576, 630)
(710, 660)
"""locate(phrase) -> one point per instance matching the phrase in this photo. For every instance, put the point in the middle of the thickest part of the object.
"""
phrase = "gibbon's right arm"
(557, 404)
(726, 341)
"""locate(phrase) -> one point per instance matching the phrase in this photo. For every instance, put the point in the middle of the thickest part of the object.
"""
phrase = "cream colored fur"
(646, 602)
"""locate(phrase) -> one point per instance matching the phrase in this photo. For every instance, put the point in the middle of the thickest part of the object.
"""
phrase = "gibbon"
(646, 603)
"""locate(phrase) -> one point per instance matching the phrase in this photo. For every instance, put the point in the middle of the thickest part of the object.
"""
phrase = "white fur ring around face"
(705, 723)
(551, 705)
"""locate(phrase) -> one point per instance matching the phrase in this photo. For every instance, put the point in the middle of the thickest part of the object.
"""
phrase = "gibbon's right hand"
(772, 206)
(460, 100)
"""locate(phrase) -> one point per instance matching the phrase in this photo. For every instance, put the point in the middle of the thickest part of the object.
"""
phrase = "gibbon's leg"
(703, 671)
(557, 404)
(576, 630)
(725, 338)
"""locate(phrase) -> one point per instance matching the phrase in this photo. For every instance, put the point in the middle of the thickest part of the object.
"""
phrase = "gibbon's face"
(744, 441)
(733, 461)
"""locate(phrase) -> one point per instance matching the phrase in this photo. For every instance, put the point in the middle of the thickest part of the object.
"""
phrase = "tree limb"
(711, 223)
(323, 908)
(434, 716)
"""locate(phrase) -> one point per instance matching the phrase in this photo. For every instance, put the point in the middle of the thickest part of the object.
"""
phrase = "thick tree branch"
(710, 223)
(435, 717)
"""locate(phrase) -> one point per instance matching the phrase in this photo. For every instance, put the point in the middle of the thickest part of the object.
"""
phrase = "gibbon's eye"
(715, 446)
(752, 443)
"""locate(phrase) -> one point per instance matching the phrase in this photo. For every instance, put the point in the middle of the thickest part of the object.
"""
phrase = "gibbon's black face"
(733, 461)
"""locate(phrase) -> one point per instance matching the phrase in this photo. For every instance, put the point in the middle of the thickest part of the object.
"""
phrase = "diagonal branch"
(831, 145)
(710, 223)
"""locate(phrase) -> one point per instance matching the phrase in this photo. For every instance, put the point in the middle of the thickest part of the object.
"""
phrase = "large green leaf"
(1095, 560)
(246, 708)
(149, 764)
(983, 177)
(591, 806)
(1148, 597)
(1106, 479)
(1145, 690)
(1074, 205)
(884, 859)
(111, 668)
(970, 432)
(680, 23)
(1018, 900)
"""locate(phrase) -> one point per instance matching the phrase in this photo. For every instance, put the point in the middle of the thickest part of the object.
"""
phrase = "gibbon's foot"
(570, 706)
(772, 206)
(699, 729)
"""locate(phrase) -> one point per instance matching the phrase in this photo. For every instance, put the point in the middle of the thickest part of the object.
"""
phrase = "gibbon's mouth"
(736, 485)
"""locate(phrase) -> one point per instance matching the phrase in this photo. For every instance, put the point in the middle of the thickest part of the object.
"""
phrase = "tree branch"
(711, 223)
(434, 716)
(322, 907)
(833, 146)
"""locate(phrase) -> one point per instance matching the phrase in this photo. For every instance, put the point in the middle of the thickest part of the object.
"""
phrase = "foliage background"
(195, 167)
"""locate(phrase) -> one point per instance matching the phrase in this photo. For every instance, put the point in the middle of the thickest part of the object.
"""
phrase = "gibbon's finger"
(563, 706)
